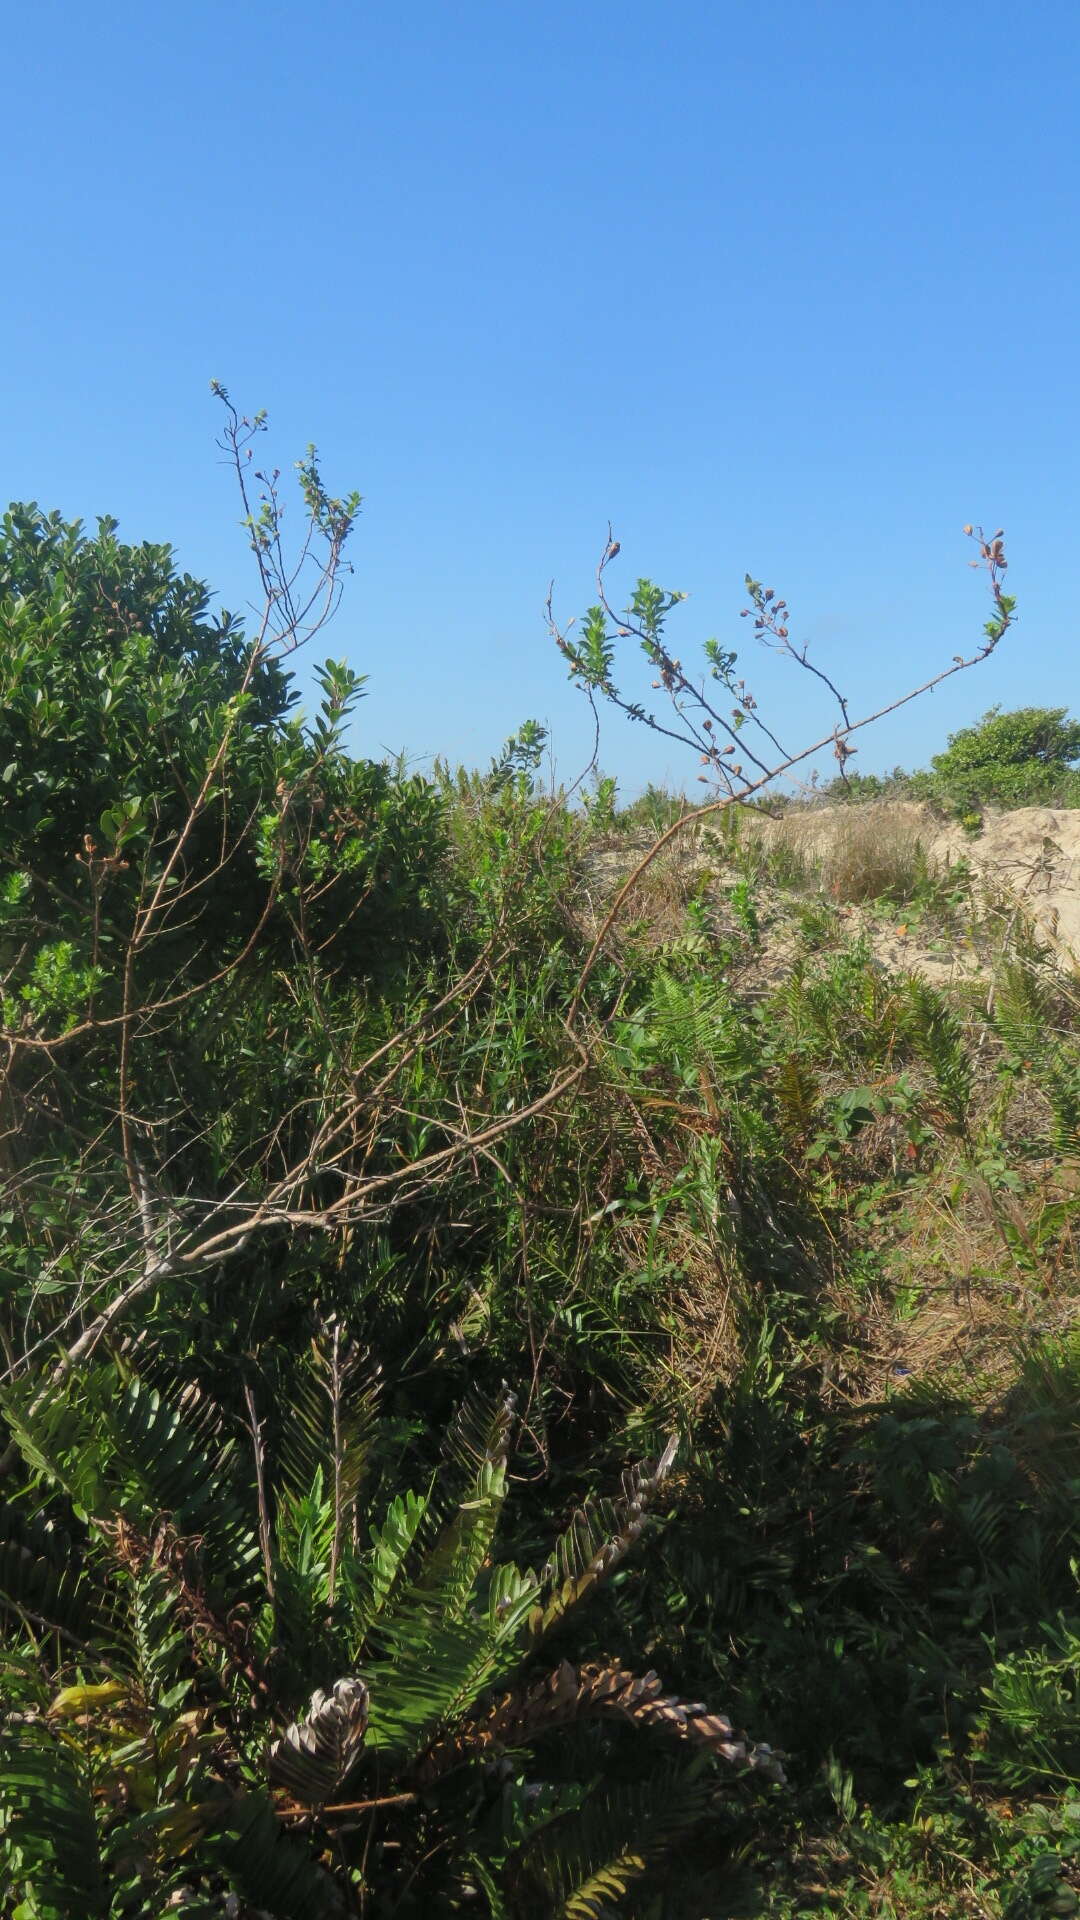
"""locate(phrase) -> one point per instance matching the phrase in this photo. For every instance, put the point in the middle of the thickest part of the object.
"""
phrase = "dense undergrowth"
(451, 1391)
(1026, 758)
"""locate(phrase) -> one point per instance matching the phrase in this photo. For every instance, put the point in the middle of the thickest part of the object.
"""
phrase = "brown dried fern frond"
(568, 1694)
(314, 1754)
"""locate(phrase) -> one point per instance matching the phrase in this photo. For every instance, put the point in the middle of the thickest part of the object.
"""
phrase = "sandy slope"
(1031, 855)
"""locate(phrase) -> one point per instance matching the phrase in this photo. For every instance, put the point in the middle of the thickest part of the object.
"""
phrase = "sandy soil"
(1030, 856)
(1027, 860)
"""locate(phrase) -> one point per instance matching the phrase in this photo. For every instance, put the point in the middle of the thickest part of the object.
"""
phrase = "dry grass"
(852, 855)
(656, 910)
(963, 1304)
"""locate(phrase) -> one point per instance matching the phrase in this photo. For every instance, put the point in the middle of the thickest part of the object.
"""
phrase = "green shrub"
(1025, 758)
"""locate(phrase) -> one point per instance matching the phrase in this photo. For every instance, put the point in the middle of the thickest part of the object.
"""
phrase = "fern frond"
(214, 1630)
(50, 1845)
(600, 1534)
(428, 1673)
(1043, 1411)
(314, 1754)
(55, 1430)
(600, 1886)
(157, 1639)
(334, 1403)
(1061, 1084)
(479, 1432)
(571, 1694)
(42, 1580)
(511, 1598)
(694, 1024)
(1030, 1711)
(1024, 1017)
(392, 1547)
(186, 1475)
(448, 1576)
(407, 1566)
(268, 1868)
(585, 1861)
(304, 1538)
(938, 1038)
(797, 1093)
(436, 1648)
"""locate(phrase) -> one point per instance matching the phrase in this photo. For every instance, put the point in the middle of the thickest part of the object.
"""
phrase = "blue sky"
(787, 288)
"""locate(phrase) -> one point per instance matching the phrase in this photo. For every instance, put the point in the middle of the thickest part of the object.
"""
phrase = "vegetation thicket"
(405, 1211)
(1026, 758)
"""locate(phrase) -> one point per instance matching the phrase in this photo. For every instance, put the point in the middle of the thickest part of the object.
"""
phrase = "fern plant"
(1025, 1016)
(1030, 1719)
(226, 1677)
(937, 1036)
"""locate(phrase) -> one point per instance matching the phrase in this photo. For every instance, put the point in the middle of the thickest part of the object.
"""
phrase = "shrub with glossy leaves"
(1023, 758)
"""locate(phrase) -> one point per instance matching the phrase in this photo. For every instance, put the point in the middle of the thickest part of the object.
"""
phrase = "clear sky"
(786, 287)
